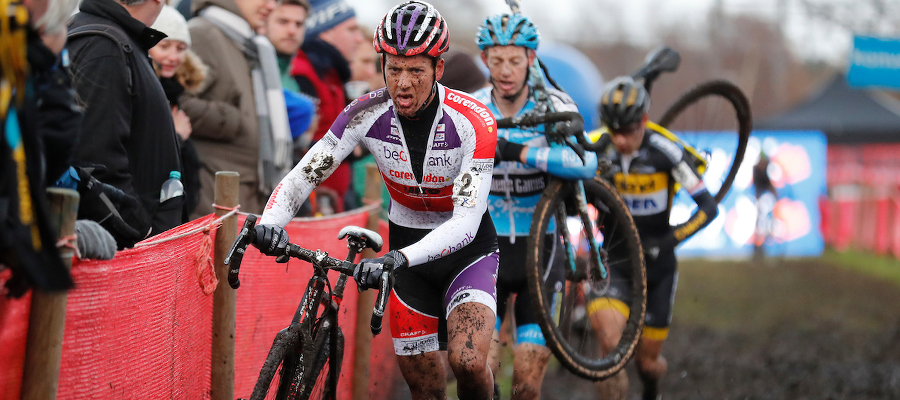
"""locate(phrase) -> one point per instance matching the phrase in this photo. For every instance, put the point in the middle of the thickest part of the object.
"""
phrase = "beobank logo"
(394, 154)
(481, 111)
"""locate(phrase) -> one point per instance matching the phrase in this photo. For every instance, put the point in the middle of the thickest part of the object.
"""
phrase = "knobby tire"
(580, 354)
(736, 98)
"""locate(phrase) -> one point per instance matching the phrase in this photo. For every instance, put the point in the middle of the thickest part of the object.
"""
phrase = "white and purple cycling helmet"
(412, 28)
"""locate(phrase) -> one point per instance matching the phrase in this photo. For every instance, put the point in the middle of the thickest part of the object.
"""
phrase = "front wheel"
(563, 274)
(277, 378)
(319, 382)
(717, 106)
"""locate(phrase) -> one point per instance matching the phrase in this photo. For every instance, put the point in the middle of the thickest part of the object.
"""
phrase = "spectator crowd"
(136, 97)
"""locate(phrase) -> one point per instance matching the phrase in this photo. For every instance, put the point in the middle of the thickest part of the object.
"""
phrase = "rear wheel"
(714, 106)
(560, 297)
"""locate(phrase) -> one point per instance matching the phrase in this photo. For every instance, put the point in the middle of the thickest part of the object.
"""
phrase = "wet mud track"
(789, 329)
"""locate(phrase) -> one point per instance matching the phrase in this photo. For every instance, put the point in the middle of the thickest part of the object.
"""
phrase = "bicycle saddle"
(367, 238)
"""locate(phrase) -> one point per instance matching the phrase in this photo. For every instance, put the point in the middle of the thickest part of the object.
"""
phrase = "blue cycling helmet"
(508, 30)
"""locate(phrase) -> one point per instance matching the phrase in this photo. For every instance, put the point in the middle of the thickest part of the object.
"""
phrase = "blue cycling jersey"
(516, 187)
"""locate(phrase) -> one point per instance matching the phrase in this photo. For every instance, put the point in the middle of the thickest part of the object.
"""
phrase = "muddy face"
(410, 81)
(509, 68)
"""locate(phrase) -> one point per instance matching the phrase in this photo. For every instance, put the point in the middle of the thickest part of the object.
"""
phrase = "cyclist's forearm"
(562, 162)
(470, 204)
(317, 165)
(706, 212)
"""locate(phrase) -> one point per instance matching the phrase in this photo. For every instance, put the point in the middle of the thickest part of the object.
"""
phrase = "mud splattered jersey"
(451, 196)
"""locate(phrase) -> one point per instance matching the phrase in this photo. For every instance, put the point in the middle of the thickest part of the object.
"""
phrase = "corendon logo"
(481, 111)
(402, 174)
(394, 154)
(432, 178)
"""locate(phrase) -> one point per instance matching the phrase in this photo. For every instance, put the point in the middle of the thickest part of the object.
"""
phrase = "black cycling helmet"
(623, 102)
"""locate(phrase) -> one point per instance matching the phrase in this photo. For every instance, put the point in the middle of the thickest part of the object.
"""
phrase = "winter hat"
(327, 14)
(173, 25)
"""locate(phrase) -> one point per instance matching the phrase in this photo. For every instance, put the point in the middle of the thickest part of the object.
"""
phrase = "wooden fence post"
(46, 323)
(224, 299)
(366, 300)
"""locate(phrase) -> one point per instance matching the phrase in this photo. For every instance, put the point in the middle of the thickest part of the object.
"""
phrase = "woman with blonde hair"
(180, 71)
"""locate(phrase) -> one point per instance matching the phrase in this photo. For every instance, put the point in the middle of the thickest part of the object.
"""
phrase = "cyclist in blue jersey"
(646, 169)
(435, 149)
(508, 43)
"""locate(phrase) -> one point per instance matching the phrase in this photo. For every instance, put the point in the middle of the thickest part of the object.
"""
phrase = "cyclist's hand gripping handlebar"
(360, 239)
(236, 254)
(387, 282)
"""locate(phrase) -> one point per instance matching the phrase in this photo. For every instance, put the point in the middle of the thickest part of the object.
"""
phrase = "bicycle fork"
(596, 266)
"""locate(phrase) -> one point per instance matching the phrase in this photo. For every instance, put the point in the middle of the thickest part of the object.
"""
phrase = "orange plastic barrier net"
(270, 293)
(140, 326)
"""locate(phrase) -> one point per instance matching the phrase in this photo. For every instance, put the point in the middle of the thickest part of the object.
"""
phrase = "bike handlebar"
(535, 119)
(320, 258)
(573, 125)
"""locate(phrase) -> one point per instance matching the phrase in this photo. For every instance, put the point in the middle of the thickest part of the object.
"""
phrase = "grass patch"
(882, 267)
(836, 289)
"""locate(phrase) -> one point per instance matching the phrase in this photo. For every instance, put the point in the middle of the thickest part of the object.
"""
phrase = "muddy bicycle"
(305, 359)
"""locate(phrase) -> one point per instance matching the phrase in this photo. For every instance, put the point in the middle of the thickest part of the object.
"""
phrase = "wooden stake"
(225, 298)
(46, 323)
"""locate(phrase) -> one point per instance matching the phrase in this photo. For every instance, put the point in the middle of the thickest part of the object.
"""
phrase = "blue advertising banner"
(874, 62)
(786, 222)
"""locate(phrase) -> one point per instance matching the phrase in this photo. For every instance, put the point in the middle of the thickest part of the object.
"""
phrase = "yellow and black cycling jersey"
(649, 178)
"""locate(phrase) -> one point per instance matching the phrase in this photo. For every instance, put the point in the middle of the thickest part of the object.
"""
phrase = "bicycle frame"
(306, 325)
(559, 137)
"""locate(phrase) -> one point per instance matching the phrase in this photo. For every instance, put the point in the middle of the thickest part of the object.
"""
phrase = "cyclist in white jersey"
(508, 44)
(434, 147)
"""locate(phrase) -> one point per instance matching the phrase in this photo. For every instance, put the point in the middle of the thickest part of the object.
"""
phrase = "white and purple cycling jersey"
(451, 195)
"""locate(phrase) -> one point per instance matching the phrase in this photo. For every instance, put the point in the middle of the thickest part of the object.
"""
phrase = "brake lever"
(236, 253)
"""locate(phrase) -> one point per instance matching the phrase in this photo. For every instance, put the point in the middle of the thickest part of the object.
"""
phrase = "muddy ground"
(806, 329)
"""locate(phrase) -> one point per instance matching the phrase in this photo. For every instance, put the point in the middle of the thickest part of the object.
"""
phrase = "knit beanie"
(173, 25)
(327, 14)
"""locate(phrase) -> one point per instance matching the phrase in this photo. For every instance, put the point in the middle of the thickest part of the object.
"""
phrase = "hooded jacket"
(223, 114)
(127, 126)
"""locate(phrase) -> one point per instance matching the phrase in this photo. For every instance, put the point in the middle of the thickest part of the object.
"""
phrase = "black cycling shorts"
(662, 280)
(513, 279)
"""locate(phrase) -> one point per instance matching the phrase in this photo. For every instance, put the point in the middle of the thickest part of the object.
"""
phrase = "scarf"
(276, 146)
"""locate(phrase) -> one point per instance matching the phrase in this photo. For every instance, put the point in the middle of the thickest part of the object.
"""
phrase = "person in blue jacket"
(508, 44)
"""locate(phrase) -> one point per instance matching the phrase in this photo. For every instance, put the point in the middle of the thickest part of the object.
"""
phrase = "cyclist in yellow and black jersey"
(647, 169)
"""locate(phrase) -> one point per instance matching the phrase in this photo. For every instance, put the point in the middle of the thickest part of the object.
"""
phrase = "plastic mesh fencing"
(140, 326)
(270, 293)
(13, 335)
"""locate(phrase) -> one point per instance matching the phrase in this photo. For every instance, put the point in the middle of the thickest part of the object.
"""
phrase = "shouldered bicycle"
(598, 230)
